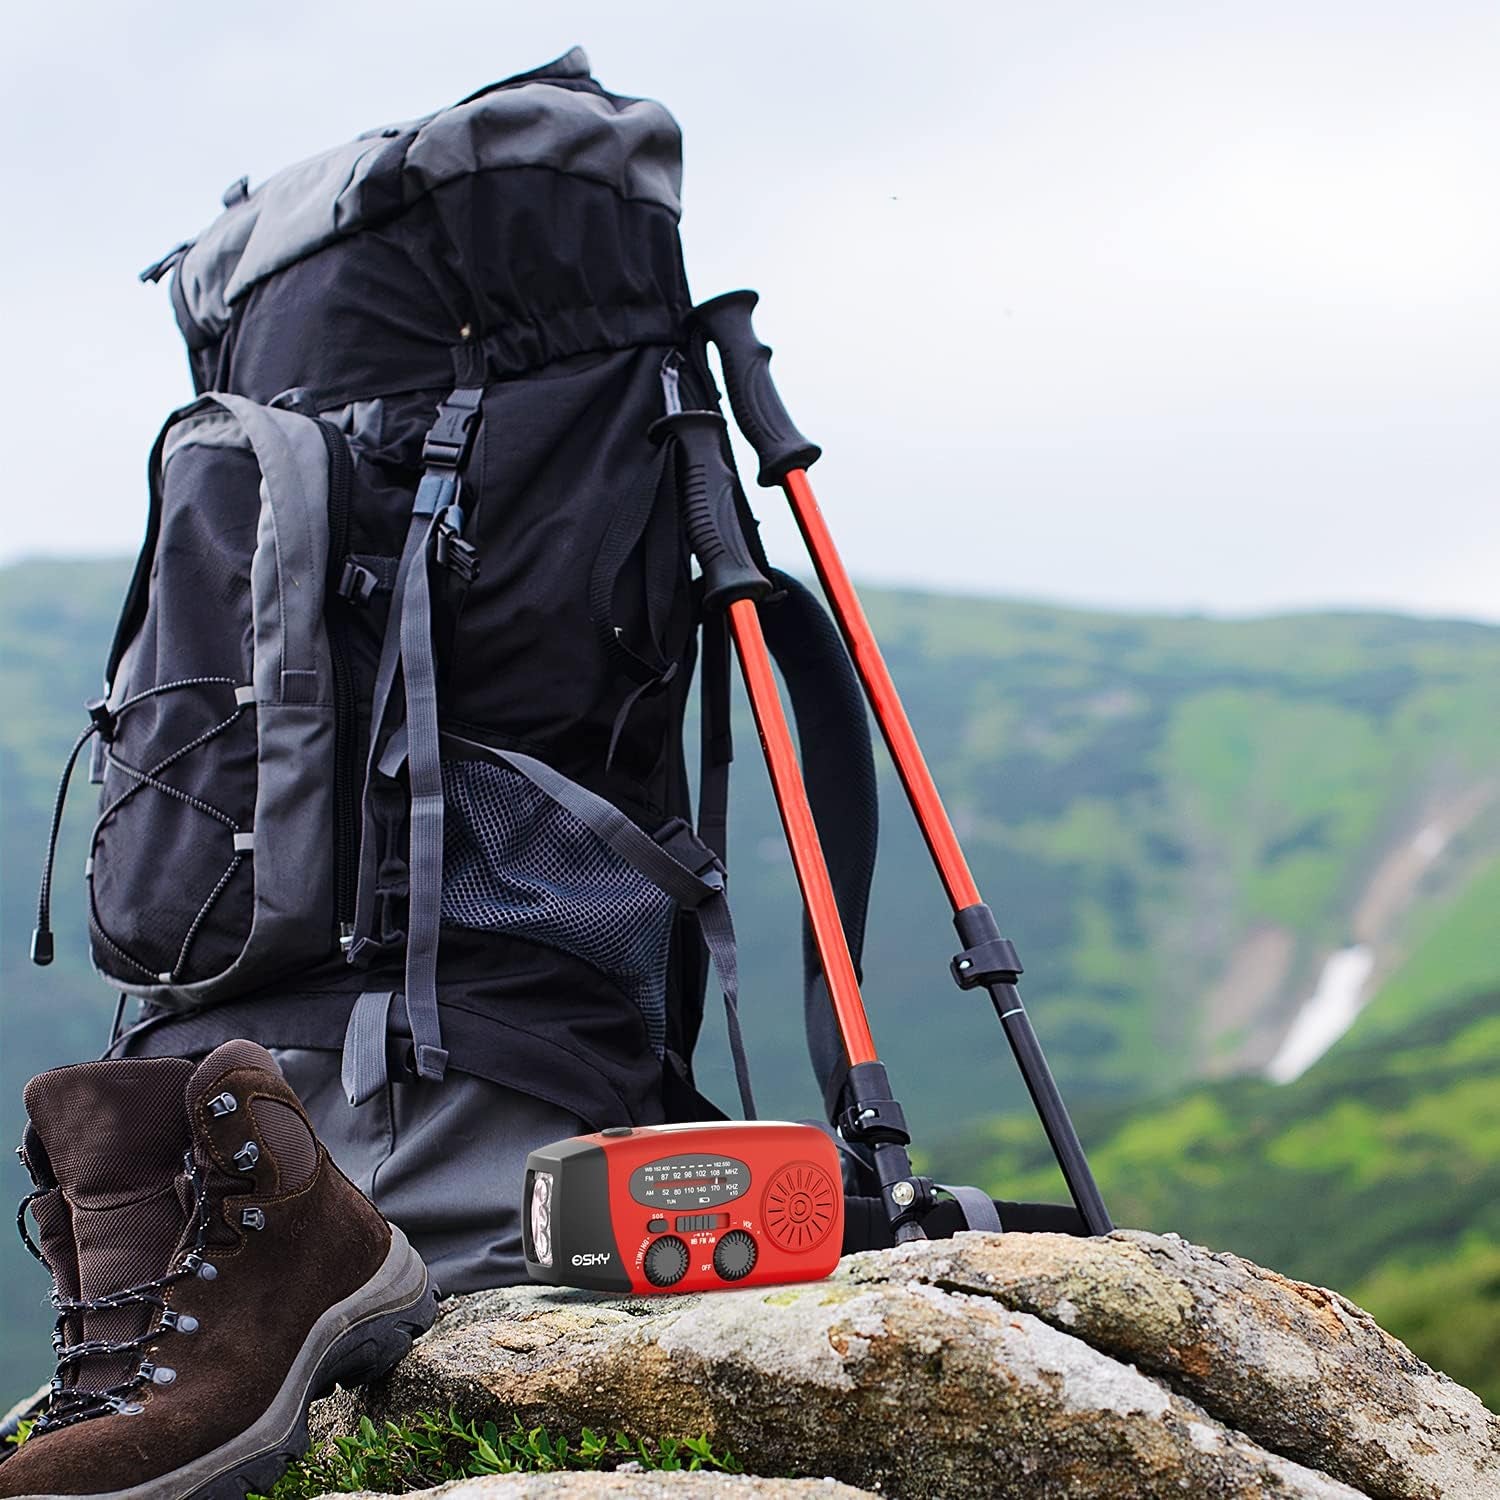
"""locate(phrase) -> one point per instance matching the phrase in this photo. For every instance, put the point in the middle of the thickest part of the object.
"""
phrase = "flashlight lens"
(541, 1217)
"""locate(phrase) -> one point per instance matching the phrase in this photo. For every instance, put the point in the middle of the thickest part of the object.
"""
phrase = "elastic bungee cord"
(105, 721)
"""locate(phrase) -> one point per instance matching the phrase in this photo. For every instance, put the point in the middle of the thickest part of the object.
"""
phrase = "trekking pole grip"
(753, 397)
(710, 509)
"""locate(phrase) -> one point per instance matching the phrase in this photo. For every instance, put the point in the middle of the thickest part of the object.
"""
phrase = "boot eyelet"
(247, 1156)
(223, 1104)
(181, 1322)
(163, 1375)
(252, 1218)
(207, 1271)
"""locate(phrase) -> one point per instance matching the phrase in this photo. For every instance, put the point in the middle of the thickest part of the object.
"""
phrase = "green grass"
(395, 1458)
(399, 1457)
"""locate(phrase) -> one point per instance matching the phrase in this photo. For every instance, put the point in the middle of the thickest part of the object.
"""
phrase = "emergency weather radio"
(684, 1208)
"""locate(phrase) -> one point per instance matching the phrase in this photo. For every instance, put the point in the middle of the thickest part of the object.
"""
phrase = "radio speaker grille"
(799, 1206)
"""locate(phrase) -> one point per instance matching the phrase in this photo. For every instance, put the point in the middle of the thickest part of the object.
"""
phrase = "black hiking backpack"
(391, 748)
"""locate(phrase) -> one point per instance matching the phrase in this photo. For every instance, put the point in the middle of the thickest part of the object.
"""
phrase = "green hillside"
(1377, 1172)
(1176, 819)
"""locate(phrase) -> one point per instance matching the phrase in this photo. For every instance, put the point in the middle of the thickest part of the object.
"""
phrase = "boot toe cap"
(97, 1457)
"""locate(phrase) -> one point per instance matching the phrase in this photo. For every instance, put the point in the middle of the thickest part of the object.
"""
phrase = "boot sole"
(355, 1341)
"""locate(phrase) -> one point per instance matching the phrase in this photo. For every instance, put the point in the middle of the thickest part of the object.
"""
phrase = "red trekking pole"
(733, 582)
(987, 959)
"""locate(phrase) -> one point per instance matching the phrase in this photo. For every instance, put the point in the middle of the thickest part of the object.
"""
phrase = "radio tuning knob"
(666, 1261)
(735, 1255)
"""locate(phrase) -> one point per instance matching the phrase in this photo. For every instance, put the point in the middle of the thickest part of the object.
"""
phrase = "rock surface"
(1301, 1370)
(985, 1365)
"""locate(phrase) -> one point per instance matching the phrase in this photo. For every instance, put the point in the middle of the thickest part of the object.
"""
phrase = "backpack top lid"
(556, 118)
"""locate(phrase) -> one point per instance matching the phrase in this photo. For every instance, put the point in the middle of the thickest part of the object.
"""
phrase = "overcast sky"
(1176, 307)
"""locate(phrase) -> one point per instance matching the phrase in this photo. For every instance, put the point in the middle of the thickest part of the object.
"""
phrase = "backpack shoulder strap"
(838, 765)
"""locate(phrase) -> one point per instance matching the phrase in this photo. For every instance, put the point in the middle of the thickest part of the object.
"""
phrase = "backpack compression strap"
(436, 525)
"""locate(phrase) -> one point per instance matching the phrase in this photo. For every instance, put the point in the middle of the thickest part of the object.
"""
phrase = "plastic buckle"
(677, 838)
(357, 583)
(994, 962)
(874, 1122)
(103, 718)
(452, 551)
(449, 439)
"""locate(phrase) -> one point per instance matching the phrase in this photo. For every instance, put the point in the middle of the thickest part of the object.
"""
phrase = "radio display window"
(687, 1182)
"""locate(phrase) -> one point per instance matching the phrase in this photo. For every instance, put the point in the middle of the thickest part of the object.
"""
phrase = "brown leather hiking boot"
(213, 1273)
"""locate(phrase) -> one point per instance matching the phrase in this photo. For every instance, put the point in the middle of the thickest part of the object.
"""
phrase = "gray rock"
(1024, 1365)
(1301, 1370)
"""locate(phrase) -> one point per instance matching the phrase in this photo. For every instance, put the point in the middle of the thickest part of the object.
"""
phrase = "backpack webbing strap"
(976, 1205)
(716, 746)
(838, 764)
(424, 862)
(385, 680)
(717, 928)
(408, 648)
(363, 1068)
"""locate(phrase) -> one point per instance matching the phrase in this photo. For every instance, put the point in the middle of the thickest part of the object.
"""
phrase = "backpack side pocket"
(211, 863)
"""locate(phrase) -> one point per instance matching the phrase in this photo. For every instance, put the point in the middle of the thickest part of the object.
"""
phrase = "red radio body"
(684, 1208)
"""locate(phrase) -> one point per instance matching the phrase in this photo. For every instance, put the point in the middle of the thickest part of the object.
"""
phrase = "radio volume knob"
(666, 1261)
(735, 1255)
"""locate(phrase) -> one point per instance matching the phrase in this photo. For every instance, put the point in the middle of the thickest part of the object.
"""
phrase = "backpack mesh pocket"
(514, 861)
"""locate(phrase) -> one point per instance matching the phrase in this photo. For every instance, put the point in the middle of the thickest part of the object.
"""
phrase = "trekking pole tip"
(41, 946)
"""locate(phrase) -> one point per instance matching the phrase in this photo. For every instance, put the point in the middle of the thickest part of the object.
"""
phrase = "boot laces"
(66, 1406)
